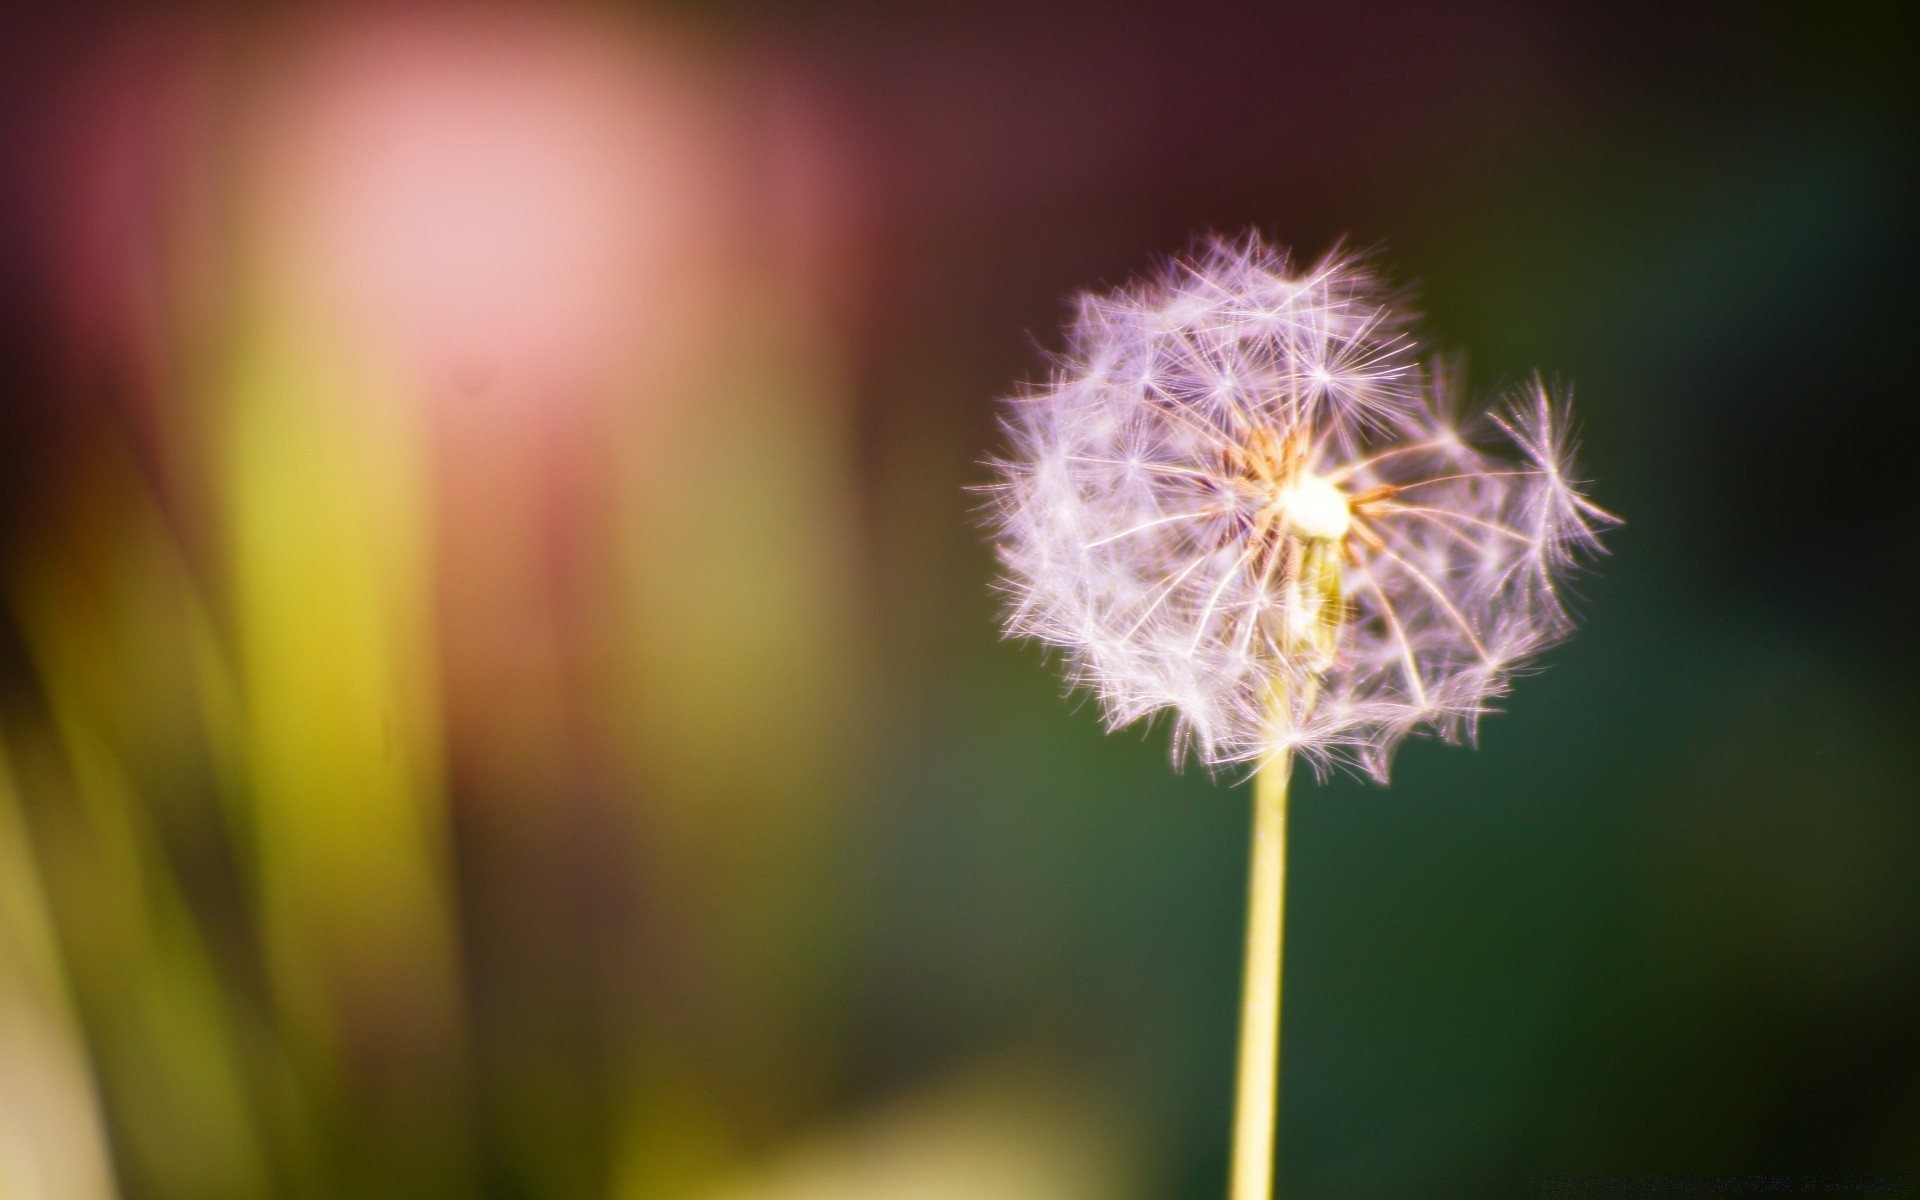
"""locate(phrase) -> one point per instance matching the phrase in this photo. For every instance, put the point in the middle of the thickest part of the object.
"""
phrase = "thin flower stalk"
(1257, 1085)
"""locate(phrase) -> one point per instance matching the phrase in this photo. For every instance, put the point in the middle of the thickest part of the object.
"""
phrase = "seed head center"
(1313, 508)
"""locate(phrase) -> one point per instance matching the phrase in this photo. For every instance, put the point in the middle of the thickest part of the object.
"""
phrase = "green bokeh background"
(1667, 918)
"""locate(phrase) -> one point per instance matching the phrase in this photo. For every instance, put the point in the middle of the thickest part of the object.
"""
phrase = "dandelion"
(1245, 499)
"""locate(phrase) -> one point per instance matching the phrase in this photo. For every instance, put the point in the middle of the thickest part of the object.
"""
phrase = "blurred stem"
(1257, 1096)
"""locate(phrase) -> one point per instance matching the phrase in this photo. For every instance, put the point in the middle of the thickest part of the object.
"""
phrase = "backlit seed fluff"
(1243, 498)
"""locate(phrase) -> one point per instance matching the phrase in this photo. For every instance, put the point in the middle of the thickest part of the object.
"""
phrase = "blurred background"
(499, 690)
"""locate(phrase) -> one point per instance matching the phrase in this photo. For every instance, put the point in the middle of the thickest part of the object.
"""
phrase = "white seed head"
(1242, 498)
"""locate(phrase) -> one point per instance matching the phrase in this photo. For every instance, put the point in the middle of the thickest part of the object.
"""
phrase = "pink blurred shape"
(499, 195)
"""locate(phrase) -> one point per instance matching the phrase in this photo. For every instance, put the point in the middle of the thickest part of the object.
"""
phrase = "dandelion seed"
(1243, 498)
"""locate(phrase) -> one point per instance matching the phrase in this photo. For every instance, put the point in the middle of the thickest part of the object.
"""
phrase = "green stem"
(1257, 1096)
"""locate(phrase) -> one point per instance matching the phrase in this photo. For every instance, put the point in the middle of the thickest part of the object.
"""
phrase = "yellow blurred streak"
(747, 670)
(674, 1138)
(1000, 1133)
(52, 1144)
(325, 495)
(98, 609)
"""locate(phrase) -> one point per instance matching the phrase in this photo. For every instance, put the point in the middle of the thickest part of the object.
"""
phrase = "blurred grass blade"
(52, 1143)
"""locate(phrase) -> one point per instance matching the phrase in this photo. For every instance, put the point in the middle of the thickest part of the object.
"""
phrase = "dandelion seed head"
(1243, 497)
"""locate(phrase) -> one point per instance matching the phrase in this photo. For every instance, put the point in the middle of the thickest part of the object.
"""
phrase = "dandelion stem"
(1256, 1100)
